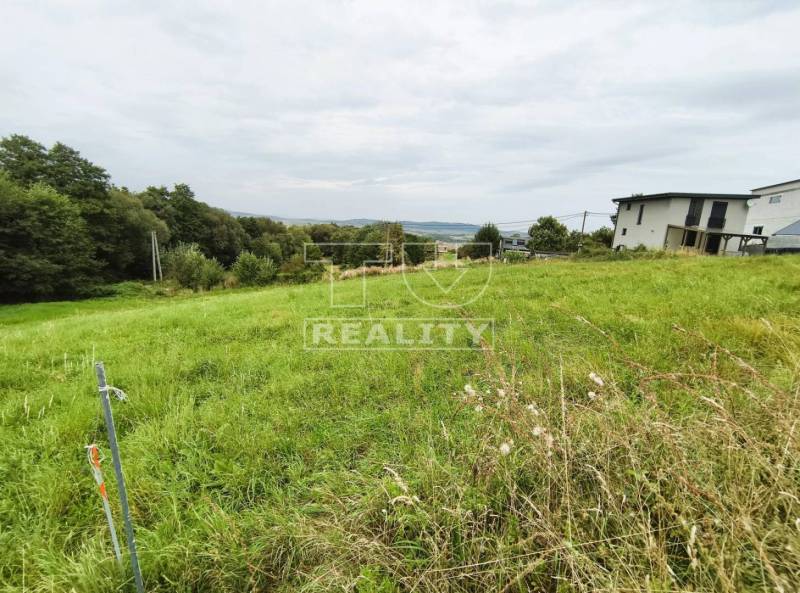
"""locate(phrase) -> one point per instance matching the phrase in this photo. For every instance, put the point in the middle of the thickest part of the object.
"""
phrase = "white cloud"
(412, 110)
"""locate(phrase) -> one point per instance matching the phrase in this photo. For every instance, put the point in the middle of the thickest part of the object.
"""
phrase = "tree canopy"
(486, 242)
(45, 246)
(66, 228)
(548, 234)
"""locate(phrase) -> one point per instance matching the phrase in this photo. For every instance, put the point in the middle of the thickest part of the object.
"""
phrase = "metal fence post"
(123, 495)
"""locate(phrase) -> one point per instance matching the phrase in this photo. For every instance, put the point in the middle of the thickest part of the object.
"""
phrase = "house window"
(695, 212)
(641, 211)
(775, 199)
(757, 230)
(628, 206)
(624, 232)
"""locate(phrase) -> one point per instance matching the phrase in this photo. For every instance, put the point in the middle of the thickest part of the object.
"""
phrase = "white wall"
(671, 211)
(774, 217)
(735, 217)
(653, 229)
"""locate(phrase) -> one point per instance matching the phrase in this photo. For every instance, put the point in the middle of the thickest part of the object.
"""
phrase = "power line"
(562, 217)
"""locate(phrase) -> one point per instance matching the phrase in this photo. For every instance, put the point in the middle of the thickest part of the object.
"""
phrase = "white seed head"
(537, 431)
(501, 392)
(505, 448)
(479, 408)
(532, 409)
(592, 395)
(597, 379)
(468, 389)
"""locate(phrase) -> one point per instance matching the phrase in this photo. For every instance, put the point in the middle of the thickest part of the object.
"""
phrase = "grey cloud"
(450, 110)
(588, 167)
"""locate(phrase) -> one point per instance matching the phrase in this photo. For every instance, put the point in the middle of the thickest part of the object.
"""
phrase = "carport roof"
(668, 195)
(792, 229)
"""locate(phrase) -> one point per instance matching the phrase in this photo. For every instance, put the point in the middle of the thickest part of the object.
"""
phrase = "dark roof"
(666, 196)
(792, 229)
(775, 185)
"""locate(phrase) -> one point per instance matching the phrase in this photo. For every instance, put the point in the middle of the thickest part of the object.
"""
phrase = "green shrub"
(600, 253)
(515, 257)
(213, 274)
(296, 270)
(252, 270)
(187, 265)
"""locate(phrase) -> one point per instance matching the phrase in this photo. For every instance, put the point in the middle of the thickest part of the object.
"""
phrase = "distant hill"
(444, 231)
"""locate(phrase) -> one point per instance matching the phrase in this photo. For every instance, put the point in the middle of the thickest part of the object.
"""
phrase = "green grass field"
(254, 465)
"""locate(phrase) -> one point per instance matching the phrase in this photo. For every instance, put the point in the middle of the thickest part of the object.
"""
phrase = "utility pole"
(386, 257)
(583, 226)
(153, 252)
(156, 257)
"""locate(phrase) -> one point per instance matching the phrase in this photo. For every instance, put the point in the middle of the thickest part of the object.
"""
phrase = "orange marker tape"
(93, 455)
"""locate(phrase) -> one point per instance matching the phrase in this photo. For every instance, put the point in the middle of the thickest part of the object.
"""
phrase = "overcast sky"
(456, 111)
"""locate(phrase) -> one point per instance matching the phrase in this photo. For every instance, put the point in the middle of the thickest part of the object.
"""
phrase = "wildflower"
(592, 395)
(468, 389)
(505, 448)
(597, 379)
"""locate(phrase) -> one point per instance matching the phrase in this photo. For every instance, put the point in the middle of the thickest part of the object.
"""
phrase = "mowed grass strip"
(633, 428)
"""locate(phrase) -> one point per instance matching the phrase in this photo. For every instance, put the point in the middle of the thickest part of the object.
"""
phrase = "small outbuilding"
(785, 240)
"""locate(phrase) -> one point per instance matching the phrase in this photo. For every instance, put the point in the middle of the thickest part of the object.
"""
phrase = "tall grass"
(634, 428)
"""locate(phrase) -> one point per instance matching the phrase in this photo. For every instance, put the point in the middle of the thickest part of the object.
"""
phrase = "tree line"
(547, 234)
(66, 231)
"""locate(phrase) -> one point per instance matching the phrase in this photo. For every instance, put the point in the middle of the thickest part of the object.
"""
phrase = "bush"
(296, 270)
(515, 257)
(213, 274)
(604, 254)
(191, 269)
(252, 270)
(230, 281)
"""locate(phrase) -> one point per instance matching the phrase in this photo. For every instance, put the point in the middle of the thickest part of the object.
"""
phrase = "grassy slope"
(254, 465)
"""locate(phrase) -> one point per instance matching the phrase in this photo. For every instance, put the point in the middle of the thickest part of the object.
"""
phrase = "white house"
(514, 243)
(773, 207)
(705, 222)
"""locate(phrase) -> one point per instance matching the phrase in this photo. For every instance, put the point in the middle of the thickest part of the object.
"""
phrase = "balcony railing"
(716, 222)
